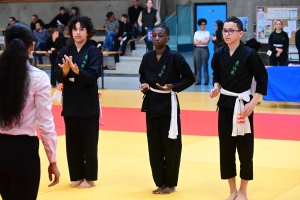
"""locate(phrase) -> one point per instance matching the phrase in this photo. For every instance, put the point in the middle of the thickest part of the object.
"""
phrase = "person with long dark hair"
(78, 68)
(25, 102)
(217, 38)
(279, 45)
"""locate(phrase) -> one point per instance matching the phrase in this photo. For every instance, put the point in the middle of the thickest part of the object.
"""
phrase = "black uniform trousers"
(123, 48)
(278, 61)
(82, 135)
(19, 167)
(164, 153)
(229, 144)
(52, 75)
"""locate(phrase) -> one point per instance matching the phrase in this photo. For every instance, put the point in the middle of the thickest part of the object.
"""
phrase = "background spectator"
(34, 20)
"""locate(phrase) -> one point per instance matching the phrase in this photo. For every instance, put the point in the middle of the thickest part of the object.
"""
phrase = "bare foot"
(241, 196)
(232, 196)
(76, 183)
(158, 190)
(168, 190)
(86, 184)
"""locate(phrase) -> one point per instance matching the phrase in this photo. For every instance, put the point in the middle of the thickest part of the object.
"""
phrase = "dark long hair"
(14, 77)
(219, 30)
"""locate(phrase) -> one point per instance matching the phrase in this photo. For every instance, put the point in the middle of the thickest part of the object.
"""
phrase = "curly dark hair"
(14, 77)
(201, 20)
(85, 22)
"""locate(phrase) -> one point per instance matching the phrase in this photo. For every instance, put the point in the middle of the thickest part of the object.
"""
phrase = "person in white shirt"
(25, 102)
(201, 52)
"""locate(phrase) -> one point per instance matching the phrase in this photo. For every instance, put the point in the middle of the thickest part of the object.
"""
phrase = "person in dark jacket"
(279, 46)
(297, 42)
(53, 46)
(123, 36)
(77, 68)
(217, 38)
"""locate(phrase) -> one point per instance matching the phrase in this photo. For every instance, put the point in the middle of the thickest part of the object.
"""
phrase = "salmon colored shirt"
(37, 111)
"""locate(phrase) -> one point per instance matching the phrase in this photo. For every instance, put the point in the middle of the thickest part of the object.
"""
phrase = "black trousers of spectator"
(164, 153)
(19, 167)
(82, 135)
(123, 48)
(278, 61)
(52, 75)
(149, 44)
(229, 144)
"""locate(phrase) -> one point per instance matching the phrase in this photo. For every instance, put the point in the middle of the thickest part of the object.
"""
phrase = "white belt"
(240, 125)
(173, 131)
(278, 45)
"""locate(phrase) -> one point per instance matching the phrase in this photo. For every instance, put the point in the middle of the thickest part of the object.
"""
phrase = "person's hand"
(73, 66)
(277, 54)
(53, 170)
(248, 109)
(49, 51)
(165, 87)
(120, 38)
(144, 87)
(52, 49)
(65, 64)
(213, 38)
(116, 31)
(214, 92)
(135, 25)
(279, 50)
(146, 28)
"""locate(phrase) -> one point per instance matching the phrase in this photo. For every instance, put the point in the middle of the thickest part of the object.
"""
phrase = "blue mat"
(283, 84)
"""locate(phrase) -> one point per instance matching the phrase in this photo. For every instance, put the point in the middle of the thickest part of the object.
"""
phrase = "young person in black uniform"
(234, 65)
(148, 18)
(25, 102)
(53, 46)
(162, 73)
(123, 36)
(279, 45)
(297, 41)
(77, 69)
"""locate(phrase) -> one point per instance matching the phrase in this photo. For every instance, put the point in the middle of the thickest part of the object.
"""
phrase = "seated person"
(111, 28)
(123, 36)
(40, 36)
(34, 20)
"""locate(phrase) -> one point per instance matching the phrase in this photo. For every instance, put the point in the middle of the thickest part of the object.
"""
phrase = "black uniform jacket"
(80, 92)
(172, 68)
(235, 73)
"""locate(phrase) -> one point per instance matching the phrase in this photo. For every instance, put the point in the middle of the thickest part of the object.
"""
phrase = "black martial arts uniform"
(81, 110)
(282, 39)
(234, 73)
(57, 44)
(164, 153)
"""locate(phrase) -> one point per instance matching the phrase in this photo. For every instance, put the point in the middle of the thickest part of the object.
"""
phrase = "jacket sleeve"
(187, 77)
(271, 43)
(297, 39)
(286, 43)
(216, 67)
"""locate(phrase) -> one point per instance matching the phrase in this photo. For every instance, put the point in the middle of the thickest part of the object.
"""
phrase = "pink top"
(37, 111)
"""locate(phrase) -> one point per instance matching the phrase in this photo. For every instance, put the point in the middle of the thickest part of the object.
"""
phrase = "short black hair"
(41, 24)
(62, 8)
(13, 18)
(237, 21)
(34, 15)
(125, 16)
(75, 8)
(85, 22)
(109, 14)
(167, 30)
(201, 20)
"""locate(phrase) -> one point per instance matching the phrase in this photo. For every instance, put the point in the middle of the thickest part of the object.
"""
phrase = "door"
(211, 12)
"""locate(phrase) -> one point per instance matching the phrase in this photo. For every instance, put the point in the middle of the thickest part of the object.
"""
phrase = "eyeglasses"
(229, 31)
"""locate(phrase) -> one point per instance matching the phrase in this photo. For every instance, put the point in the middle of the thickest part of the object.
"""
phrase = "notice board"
(266, 17)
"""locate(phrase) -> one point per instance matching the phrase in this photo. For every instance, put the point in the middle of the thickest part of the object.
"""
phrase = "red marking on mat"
(201, 123)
